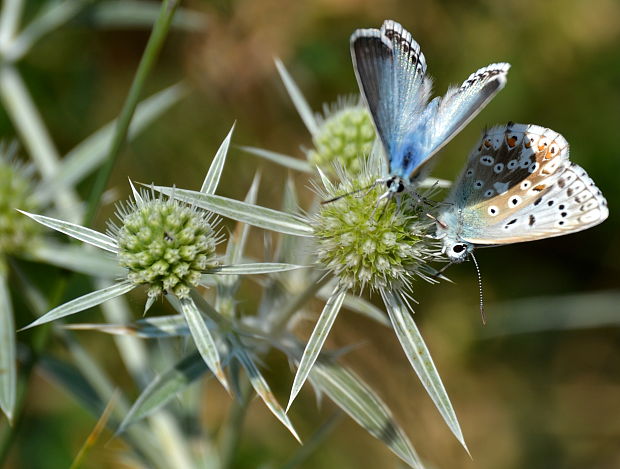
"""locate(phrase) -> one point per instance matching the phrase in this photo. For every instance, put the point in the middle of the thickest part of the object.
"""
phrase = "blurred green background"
(539, 387)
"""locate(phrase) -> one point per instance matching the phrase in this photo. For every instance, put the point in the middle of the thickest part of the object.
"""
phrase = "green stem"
(151, 53)
(231, 432)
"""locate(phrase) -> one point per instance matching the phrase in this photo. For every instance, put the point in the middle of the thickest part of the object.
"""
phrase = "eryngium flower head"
(164, 244)
(344, 135)
(17, 232)
(363, 242)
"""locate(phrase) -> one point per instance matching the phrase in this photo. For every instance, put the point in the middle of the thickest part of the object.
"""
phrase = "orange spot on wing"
(512, 141)
(539, 187)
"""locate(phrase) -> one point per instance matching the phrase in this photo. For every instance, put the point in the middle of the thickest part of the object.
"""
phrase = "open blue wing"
(445, 117)
(391, 73)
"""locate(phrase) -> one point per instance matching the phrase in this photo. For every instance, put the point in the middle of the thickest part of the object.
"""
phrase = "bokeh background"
(539, 387)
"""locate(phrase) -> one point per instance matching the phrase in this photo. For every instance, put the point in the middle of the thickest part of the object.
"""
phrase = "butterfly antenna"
(482, 314)
(368, 188)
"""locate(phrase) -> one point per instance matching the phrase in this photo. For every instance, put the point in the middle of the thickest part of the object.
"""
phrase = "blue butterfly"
(518, 185)
(391, 73)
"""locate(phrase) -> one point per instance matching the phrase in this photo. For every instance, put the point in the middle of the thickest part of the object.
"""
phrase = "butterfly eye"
(489, 193)
(478, 184)
(459, 248)
(525, 163)
(470, 172)
(499, 167)
(533, 167)
(512, 164)
(525, 185)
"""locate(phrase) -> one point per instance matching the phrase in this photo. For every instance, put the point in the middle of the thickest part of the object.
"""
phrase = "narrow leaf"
(8, 366)
(78, 259)
(203, 339)
(361, 403)
(359, 305)
(165, 387)
(212, 178)
(82, 233)
(255, 268)
(84, 302)
(159, 327)
(420, 358)
(251, 214)
(136, 195)
(298, 99)
(260, 385)
(316, 341)
(279, 158)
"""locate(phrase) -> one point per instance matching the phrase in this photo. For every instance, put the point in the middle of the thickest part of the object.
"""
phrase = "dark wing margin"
(460, 105)
(390, 70)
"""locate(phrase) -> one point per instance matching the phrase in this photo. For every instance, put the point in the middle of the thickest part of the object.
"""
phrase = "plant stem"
(151, 53)
(231, 433)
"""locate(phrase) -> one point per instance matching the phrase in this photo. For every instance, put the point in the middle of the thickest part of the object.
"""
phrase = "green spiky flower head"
(346, 135)
(364, 242)
(165, 244)
(17, 232)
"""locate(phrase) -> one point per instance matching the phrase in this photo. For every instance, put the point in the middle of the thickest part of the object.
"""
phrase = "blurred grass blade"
(92, 151)
(279, 158)
(358, 305)
(78, 259)
(157, 327)
(312, 445)
(29, 124)
(203, 339)
(84, 302)
(68, 377)
(134, 14)
(420, 358)
(82, 233)
(8, 365)
(554, 313)
(254, 215)
(298, 99)
(316, 340)
(260, 385)
(71, 379)
(212, 179)
(52, 17)
(361, 403)
(255, 268)
(165, 387)
(95, 433)
(153, 47)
